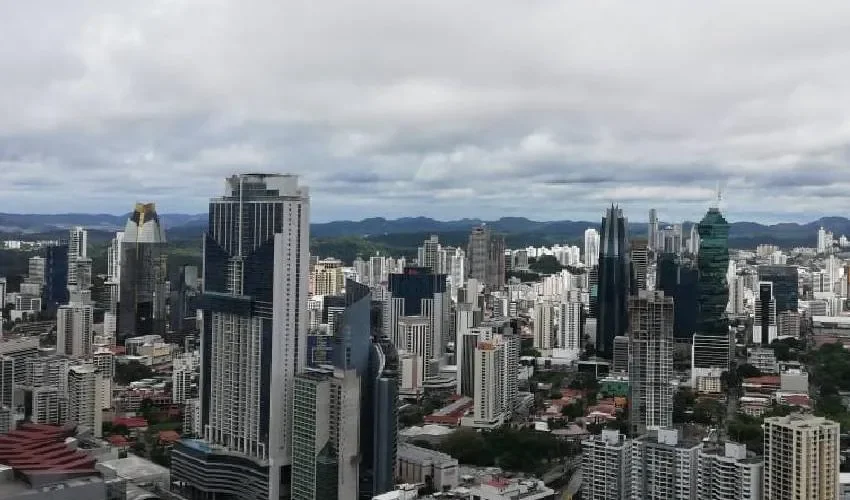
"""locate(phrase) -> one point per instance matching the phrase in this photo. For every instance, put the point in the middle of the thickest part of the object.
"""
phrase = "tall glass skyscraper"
(254, 300)
(143, 288)
(785, 285)
(615, 281)
(712, 263)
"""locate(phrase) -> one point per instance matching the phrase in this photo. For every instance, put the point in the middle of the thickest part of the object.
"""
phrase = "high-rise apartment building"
(801, 458)
(640, 264)
(570, 317)
(543, 323)
(650, 361)
(664, 466)
(327, 278)
(143, 284)
(74, 330)
(591, 247)
(614, 281)
(486, 257)
(605, 467)
(729, 473)
(79, 265)
(85, 397)
(326, 435)
(256, 280)
(652, 230)
(822, 240)
(489, 402)
(429, 255)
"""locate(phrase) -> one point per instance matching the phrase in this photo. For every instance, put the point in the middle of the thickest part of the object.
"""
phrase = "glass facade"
(615, 282)
(712, 264)
(55, 277)
(785, 285)
(678, 278)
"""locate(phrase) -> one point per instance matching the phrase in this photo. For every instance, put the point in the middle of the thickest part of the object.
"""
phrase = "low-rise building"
(422, 465)
(512, 489)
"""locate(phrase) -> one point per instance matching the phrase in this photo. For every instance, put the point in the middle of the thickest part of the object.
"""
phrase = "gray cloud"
(547, 109)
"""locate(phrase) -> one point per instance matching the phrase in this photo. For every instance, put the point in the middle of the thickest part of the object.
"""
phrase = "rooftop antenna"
(719, 197)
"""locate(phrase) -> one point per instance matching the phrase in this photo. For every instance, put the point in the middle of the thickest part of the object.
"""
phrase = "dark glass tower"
(143, 293)
(713, 263)
(677, 278)
(614, 281)
(785, 285)
(55, 277)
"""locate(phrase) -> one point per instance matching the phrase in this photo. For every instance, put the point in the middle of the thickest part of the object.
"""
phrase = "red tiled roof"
(40, 450)
(169, 437)
(117, 440)
(796, 400)
(763, 380)
(130, 422)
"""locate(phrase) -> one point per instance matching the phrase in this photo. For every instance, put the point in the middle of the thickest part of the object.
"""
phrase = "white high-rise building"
(650, 361)
(104, 360)
(113, 274)
(764, 318)
(543, 325)
(184, 369)
(79, 266)
(801, 458)
(489, 402)
(728, 473)
(605, 467)
(822, 243)
(49, 405)
(378, 272)
(415, 337)
(256, 263)
(591, 247)
(569, 322)
(664, 466)
(326, 435)
(74, 330)
(78, 239)
(652, 233)
(85, 397)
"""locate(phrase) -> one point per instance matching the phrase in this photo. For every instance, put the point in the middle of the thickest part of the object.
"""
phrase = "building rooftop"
(135, 468)
(417, 454)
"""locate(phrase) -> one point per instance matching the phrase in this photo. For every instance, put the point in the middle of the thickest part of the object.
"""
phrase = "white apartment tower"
(664, 466)
(569, 322)
(605, 467)
(727, 473)
(591, 247)
(650, 361)
(822, 243)
(74, 330)
(801, 458)
(85, 397)
(543, 325)
(489, 402)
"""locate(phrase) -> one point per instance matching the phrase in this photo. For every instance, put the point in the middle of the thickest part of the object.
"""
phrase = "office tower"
(143, 287)
(465, 352)
(85, 404)
(591, 247)
(605, 467)
(184, 305)
(255, 285)
(418, 292)
(640, 263)
(543, 325)
(486, 257)
(785, 285)
(74, 323)
(664, 466)
(677, 277)
(652, 235)
(489, 402)
(712, 263)
(671, 239)
(822, 243)
(55, 277)
(801, 458)
(650, 361)
(620, 363)
(377, 270)
(570, 319)
(764, 320)
(614, 281)
(727, 473)
(35, 272)
(429, 253)
(326, 435)
(379, 421)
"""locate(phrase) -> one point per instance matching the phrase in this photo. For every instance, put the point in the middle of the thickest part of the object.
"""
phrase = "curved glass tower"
(712, 264)
(614, 281)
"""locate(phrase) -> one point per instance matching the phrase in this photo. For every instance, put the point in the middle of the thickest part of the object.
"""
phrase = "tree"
(747, 370)
(132, 372)
(573, 411)
(708, 412)
(683, 401)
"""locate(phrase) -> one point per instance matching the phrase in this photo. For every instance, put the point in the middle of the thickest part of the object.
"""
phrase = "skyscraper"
(379, 426)
(489, 383)
(786, 286)
(429, 253)
(543, 325)
(55, 276)
(143, 286)
(650, 361)
(712, 263)
(677, 277)
(652, 230)
(764, 319)
(801, 458)
(255, 287)
(614, 281)
(640, 263)
(74, 324)
(486, 257)
(591, 247)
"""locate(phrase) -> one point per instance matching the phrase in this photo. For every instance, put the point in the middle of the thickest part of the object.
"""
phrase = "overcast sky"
(548, 109)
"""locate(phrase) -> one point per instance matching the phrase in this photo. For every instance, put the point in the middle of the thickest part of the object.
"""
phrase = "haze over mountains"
(188, 226)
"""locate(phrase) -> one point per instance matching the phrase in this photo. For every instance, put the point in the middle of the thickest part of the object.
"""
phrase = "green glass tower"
(712, 264)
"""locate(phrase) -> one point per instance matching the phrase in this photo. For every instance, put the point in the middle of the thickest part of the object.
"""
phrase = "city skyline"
(563, 106)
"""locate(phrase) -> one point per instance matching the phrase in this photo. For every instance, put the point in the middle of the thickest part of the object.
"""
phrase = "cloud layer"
(548, 109)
